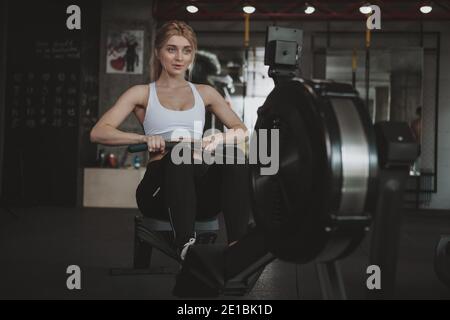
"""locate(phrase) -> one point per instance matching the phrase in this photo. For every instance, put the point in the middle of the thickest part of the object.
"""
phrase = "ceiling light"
(365, 9)
(426, 9)
(309, 9)
(249, 9)
(192, 9)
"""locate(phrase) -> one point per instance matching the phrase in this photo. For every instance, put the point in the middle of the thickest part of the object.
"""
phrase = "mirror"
(395, 83)
(249, 83)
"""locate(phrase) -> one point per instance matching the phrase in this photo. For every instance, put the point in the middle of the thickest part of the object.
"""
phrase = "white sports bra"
(172, 124)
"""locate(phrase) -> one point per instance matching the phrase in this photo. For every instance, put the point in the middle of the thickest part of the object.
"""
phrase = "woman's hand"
(155, 143)
(210, 143)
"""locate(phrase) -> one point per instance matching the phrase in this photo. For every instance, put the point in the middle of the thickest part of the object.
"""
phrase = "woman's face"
(176, 55)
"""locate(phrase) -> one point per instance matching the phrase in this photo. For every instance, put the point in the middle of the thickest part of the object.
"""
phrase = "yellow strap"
(247, 30)
(367, 37)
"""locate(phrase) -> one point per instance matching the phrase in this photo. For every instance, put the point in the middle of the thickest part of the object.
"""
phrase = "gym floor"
(38, 244)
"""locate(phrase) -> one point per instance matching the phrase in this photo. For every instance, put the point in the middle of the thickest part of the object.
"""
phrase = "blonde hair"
(169, 29)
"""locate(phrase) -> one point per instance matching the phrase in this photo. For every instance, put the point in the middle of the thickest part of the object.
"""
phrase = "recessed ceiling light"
(310, 9)
(192, 9)
(426, 9)
(365, 9)
(249, 9)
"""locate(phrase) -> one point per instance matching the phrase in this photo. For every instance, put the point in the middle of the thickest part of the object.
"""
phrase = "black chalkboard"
(46, 106)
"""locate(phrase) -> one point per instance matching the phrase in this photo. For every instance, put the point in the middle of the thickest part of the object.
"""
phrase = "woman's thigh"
(222, 182)
(150, 193)
(208, 185)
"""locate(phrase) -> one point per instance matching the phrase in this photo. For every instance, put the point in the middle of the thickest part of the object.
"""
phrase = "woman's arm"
(220, 108)
(105, 130)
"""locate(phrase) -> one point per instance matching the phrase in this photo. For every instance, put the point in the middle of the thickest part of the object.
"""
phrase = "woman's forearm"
(108, 135)
(235, 135)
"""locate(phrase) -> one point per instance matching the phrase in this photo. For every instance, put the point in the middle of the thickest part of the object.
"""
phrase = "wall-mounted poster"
(124, 52)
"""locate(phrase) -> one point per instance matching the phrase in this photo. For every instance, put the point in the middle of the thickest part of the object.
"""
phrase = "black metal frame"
(331, 282)
(442, 259)
(143, 249)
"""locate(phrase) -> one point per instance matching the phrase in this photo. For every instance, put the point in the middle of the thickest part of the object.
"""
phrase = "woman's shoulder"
(139, 89)
(202, 87)
(139, 93)
(208, 92)
(205, 91)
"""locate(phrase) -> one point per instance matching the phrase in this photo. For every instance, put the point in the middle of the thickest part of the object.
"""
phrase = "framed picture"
(124, 52)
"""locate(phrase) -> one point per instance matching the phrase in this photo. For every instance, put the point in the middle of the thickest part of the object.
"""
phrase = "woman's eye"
(187, 51)
(171, 50)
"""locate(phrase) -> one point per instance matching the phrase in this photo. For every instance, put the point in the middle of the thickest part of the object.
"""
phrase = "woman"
(180, 193)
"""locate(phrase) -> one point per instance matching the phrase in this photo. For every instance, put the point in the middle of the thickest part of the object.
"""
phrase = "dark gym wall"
(3, 23)
(89, 84)
(123, 15)
(51, 72)
(45, 165)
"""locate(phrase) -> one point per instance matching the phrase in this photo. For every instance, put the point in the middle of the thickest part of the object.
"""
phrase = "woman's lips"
(178, 66)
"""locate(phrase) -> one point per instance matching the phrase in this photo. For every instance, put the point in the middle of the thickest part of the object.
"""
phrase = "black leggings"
(184, 193)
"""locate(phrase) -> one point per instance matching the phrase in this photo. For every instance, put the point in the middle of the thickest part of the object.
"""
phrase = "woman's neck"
(166, 80)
